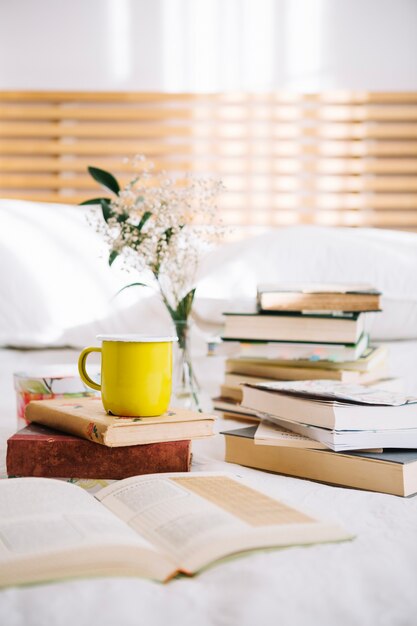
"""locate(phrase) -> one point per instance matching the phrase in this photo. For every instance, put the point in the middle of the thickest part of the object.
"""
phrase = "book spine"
(79, 458)
(69, 423)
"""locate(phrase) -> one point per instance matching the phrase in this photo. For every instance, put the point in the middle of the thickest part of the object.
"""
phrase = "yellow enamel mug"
(136, 374)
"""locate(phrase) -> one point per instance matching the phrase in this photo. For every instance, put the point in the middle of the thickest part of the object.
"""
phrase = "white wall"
(208, 45)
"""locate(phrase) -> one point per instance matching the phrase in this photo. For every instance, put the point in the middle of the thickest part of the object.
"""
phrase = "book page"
(330, 390)
(319, 288)
(269, 434)
(42, 516)
(198, 518)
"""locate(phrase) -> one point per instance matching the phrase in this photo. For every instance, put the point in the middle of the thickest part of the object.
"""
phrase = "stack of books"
(69, 438)
(332, 432)
(300, 332)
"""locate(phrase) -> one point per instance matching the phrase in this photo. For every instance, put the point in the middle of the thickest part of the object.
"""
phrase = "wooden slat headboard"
(332, 158)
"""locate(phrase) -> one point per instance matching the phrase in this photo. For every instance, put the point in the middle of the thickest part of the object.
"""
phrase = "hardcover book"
(86, 418)
(298, 328)
(390, 471)
(153, 526)
(40, 451)
(371, 366)
(318, 297)
(289, 350)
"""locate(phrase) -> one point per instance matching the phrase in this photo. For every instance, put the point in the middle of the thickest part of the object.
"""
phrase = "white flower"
(162, 225)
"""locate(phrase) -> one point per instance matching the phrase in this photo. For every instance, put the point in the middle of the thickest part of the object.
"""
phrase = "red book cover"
(40, 451)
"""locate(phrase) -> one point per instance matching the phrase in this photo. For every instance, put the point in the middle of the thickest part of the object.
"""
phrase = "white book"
(333, 405)
(315, 328)
(343, 440)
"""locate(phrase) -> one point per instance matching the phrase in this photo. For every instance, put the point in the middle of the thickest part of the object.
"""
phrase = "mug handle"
(82, 371)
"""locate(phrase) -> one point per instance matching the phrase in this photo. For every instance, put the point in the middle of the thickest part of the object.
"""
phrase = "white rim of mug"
(138, 338)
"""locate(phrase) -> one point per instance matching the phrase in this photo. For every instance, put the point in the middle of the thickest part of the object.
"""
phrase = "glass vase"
(186, 389)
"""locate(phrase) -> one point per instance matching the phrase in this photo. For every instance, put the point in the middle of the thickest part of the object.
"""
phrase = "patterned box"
(53, 381)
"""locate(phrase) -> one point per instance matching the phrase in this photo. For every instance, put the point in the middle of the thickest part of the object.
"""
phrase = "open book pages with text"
(153, 526)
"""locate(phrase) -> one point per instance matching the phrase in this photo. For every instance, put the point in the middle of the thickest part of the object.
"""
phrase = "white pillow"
(56, 287)
(386, 259)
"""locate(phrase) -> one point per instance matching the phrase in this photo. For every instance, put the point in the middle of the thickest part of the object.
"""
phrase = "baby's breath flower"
(162, 225)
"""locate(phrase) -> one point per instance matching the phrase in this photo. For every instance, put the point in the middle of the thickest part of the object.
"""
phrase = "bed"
(371, 580)
(57, 294)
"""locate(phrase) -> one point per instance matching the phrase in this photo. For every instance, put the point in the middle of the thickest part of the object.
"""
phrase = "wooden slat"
(333, 202)
(258, 184)
(232, 149)
(243, 167)
(96, 131)
(336, 97)
(363, 113)
(209, 131)
(111, 148)
(95, 96)
(202, 111)
(57, 112)
(334, 184)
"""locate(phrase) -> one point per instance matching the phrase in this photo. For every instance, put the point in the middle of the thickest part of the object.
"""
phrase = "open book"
(153, 526)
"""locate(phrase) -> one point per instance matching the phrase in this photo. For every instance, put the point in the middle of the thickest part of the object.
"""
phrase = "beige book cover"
(391, 471)
(318, 297)
(154, 526)
(87, 418)
(232, 392)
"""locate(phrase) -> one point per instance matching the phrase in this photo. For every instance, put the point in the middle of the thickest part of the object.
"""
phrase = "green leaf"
(168, 234)
(184, 307)
(104, 178)
(122, 217)
(113, 256)
(106, 210)
(131, 285)
(143, 220)
(95, 201)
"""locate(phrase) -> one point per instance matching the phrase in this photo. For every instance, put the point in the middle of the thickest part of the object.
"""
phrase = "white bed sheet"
(370, 580)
